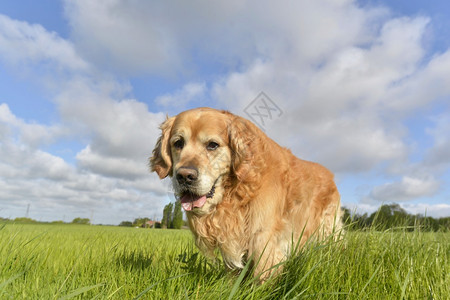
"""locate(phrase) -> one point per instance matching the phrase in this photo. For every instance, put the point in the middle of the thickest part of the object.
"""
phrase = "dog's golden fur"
(265, 198)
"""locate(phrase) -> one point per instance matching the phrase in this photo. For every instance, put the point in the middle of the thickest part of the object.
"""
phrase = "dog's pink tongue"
(190, 201)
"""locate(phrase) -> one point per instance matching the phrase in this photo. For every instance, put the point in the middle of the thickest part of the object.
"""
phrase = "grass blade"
(5, 283)
(239, 280)
(371, 278)
(405, 284)
(81, 291)
(300, 281)
(156, 283)
(113, 293)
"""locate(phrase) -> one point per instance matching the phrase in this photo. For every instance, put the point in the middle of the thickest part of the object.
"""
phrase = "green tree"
(346, 216)
(390, 216)
(167, 216)
(126, 224)
(444, 224)
(24, 220)
(83, 221)
(140, 222)
(177, 216)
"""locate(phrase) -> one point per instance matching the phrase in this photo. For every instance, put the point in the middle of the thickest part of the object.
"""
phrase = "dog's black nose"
(187, 175)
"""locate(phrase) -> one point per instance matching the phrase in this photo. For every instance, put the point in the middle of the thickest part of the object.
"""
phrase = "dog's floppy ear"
(161, 160)
(243, 137)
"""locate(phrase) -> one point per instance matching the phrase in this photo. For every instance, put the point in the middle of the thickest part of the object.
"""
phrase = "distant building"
(152, 224)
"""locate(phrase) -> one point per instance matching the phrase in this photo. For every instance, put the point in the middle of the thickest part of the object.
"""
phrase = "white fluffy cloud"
(121, 133)
(110, 174)
(110, 188)
(438, 155)
(164, 36)
(406, 189)
(31, 134)
(191, 92)
(22, 43)
(121, 36)
(436, 210)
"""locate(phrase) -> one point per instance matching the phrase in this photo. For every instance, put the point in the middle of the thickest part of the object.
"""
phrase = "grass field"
(100, 262)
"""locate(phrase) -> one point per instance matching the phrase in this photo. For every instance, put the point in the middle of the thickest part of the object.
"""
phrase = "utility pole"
(28, 210)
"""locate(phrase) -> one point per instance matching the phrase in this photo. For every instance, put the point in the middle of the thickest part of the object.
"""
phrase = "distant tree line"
(172, 218)
(141, 222)
(24, 220)
(394, 216)
(386, 217)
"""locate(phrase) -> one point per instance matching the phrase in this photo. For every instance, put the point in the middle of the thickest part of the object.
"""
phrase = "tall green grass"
(99, 262)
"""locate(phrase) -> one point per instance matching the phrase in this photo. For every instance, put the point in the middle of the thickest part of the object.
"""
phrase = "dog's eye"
(212, 146)
(179, 144)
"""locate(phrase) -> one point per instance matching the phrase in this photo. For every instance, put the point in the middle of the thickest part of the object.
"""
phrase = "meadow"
(101, 262)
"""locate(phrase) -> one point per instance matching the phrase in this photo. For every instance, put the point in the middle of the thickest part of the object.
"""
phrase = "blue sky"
(364, 87)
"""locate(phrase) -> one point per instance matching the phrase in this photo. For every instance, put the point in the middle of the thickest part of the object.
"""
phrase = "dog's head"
(199, 148)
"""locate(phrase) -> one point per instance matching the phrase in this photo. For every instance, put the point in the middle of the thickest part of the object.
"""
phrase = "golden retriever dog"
(242, 192)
